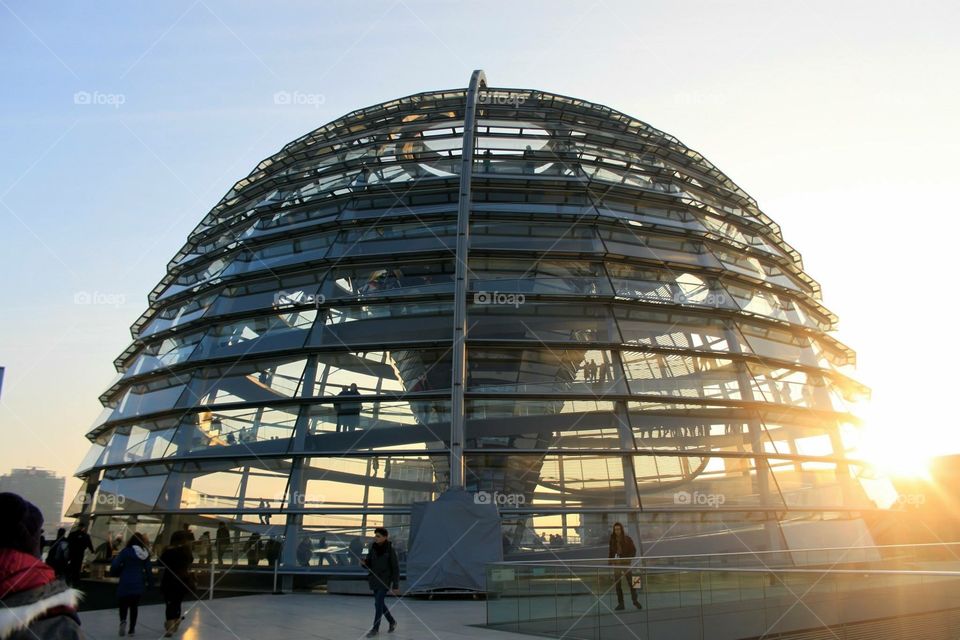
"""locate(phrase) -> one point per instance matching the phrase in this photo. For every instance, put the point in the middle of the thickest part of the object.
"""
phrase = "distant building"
(41, 487)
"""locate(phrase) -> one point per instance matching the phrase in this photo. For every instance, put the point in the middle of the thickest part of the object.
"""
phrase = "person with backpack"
(132, 566)
(34, 603)
(59, 553)
(177, 581)
(384, 575)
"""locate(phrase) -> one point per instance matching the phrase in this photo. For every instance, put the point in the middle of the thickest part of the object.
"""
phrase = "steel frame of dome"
(565, 310)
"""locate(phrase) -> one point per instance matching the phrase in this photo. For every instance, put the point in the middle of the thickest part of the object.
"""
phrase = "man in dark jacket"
(78, 543)
(622, 552)
(33, 602)
(384, 569)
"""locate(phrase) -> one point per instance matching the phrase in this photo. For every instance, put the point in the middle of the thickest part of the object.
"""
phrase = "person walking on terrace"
(177, 581)
(78, 543)
(132, 566)
(384, 569)
(621, 554)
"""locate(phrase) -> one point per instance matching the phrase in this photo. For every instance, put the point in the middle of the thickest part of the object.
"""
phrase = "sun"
(898, 461)
(894, 449)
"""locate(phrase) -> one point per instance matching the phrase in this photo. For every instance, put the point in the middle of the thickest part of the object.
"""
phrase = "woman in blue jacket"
(133, 567)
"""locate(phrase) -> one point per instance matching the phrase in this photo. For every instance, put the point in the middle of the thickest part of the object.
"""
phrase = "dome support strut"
(457, 422)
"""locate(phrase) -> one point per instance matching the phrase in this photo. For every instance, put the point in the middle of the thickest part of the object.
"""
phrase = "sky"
(122, 124)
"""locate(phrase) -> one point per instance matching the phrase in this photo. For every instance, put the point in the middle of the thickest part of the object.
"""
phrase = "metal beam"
(457, 423)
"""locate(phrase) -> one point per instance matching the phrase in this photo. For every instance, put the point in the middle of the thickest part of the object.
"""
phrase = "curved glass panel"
(578, 371)
(559, 277)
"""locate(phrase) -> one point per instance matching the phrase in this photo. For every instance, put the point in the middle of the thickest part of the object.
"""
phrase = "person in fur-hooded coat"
(34, 603)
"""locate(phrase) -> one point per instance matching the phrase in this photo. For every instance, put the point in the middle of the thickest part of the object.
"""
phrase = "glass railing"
(737, 595)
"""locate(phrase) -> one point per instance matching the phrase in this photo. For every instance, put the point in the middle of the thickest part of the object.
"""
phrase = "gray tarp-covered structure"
(451, 541)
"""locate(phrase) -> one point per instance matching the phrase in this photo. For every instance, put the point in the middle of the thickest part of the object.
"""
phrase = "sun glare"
(895, 451)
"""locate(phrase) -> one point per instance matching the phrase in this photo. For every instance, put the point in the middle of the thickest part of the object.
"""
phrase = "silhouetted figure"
(78, 543)
(271, 549)
(348, 413)
(622, 551)
(223, 541)
(205, 548)
(177, 581)
(590, 371)
(254, 547)
(58, 554)
(362, 178)
(304, 551)
(528, 166)
(603, 371)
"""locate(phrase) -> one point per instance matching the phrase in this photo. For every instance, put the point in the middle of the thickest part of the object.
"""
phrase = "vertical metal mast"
(457, 410)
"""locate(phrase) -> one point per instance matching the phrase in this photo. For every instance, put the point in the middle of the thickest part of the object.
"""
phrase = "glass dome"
(640, 345)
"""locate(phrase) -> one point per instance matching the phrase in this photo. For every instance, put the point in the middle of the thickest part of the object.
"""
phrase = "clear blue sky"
(839, 117)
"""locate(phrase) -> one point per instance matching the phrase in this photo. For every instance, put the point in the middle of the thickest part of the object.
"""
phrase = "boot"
(176, 623)
(168, 628)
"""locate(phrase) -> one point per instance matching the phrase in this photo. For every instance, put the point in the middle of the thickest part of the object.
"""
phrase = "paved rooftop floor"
(313, 616)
